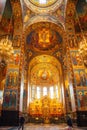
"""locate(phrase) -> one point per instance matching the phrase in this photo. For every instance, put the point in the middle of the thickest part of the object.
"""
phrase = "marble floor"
(44, 127)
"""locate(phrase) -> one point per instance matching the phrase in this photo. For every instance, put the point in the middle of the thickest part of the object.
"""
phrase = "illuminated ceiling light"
(6, 51)
(42, 1)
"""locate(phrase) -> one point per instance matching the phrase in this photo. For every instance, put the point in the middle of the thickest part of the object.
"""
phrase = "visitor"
(21, 123)
(69, 122)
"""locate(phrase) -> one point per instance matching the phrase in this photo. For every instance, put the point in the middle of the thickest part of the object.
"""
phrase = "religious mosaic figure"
(13, 99)
(7, 99)
(77, 78)
(9, 79)
(15, 79)
(74, 59)
(82, 79)
(80, 99)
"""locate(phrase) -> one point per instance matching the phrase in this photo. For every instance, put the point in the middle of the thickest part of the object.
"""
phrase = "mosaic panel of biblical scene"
(81, 17)
(10, 99)
(44, 39)
(15, 58)
(82, 99)
(12, 78)
(76, 58)
(80, 77)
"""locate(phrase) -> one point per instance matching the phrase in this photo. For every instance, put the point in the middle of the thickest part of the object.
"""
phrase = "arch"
(47, 9)
(45, 18)
(45, 63)
(48, 25)
(44, 59)
(45, 82)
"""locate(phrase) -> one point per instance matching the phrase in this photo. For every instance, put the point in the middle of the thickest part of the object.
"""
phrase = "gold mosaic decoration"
(42, 3)
(43, 6)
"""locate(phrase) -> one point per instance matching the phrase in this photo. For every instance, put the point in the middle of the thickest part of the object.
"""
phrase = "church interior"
(43, 61)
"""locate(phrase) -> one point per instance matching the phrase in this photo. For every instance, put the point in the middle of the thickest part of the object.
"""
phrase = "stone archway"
(45, 88)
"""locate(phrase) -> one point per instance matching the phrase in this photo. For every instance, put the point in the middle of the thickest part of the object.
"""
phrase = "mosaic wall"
(76, 20)
(81, 9)
(12, 78)
(14, 27)
(6, 25)
(82, 99)
(15, 59)
(76, 58)
(80, 77)
(2, 5)
(10, 99)
(44, 39)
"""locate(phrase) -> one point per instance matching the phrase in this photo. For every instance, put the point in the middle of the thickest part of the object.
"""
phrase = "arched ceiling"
(57, 16)
(44, 59)
(44, 74)
(43, 6)
(44, 37)
(53, 10)
(45, 70)
(42, 3)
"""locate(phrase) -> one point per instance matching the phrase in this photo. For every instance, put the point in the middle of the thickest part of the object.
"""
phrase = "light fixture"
(6, 51)
(6, 48)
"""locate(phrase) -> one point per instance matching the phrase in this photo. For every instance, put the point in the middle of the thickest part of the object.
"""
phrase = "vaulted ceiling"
(36, 11)
(44, 26)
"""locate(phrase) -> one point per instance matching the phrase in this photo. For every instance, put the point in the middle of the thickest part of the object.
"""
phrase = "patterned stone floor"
(44, 127)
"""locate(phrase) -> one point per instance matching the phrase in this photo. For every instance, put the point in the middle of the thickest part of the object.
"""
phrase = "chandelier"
(6, 51)
(83, 51)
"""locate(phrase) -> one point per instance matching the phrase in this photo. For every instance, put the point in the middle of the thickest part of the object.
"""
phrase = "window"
(44, 91)
(51, 92)
(38, 92)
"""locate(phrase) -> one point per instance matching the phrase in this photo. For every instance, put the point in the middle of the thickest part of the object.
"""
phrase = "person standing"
(69, 122)
(21, 123)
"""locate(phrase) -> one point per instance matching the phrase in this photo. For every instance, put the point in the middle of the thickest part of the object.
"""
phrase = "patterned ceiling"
(39, 6)
(57, 16)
